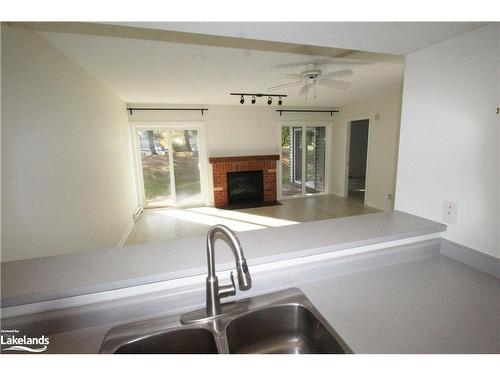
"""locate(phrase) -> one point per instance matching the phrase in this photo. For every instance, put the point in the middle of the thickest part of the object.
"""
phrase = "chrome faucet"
(214, 291)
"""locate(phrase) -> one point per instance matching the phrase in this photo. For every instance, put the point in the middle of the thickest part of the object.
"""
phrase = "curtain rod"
(132, 109)
(331, 111)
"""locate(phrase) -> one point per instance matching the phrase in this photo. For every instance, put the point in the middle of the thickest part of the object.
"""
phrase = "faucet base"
(200, 315)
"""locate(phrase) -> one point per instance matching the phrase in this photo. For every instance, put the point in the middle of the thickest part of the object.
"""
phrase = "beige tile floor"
(170, 223)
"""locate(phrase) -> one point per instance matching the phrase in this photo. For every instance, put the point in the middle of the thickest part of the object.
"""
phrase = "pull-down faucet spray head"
(244, 279)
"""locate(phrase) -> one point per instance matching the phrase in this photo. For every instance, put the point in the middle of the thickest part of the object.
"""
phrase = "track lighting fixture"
(255, 96)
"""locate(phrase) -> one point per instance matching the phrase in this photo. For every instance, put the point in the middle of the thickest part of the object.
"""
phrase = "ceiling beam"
(129, 32)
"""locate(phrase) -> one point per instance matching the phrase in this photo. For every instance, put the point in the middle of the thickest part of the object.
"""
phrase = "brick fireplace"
(222, 166)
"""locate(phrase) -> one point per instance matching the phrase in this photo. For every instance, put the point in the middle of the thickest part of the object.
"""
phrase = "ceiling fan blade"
(300, 63)
(289, 84)
(334, 83)
(294, 76)
(325, 61)
(338, 73)
(304, 89)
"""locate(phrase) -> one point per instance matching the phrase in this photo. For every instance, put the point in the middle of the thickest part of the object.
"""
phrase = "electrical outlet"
(137, 213)
(450, 212)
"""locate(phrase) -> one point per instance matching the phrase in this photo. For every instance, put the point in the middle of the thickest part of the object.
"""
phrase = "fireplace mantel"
(229, 159)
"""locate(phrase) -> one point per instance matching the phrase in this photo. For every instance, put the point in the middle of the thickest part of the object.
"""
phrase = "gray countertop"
(54, 277)
(410, 299)
(431, 305)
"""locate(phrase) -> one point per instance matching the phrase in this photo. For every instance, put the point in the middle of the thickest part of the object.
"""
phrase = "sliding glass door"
(291, 161)
(186, 161)
(169, 166)
(303, 160)
(155, 167)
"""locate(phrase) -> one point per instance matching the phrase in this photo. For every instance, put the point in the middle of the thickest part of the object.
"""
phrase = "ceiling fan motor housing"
(311, 71)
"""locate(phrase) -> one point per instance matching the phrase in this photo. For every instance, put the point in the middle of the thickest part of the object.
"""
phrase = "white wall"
(253, 130)
(449, 147)
(232, 130)
(67, 176)
(383, 131)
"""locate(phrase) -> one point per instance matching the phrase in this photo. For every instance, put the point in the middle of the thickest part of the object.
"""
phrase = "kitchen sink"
(291, 329)
(179, 341)
(280, 322)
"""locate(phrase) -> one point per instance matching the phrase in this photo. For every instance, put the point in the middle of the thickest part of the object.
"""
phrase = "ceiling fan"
(311, 76)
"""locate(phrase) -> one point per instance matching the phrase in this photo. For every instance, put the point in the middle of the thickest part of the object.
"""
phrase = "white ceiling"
(145, 71)
(398, 38)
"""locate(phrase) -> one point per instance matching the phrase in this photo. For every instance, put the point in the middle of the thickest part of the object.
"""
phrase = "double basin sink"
(281, 322)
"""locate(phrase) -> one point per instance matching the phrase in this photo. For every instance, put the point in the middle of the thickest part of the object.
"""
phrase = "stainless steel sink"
(291, 329)
(280, 322)
(180, 341)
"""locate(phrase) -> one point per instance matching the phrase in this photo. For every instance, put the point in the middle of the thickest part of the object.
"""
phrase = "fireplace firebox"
(245, 187)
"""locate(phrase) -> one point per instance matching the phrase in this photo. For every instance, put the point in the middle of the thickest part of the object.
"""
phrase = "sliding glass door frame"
(328, 125)
(199, 126)
(297, 132)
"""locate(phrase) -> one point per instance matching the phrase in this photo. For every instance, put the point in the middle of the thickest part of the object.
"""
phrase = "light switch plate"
(450, 212)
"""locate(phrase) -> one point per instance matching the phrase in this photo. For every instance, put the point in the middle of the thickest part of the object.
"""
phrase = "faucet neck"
(232, 241)
(214, 292)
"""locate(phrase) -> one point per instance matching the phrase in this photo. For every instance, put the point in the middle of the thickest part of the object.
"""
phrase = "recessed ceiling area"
(151, 71)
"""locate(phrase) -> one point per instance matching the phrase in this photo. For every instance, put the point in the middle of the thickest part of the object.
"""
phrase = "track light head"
(253, 97)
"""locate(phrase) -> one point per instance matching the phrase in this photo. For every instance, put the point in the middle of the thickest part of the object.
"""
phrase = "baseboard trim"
(472, 258)
(126, 234)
